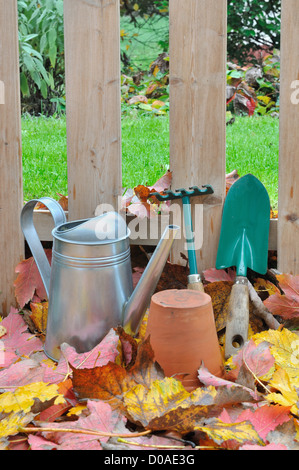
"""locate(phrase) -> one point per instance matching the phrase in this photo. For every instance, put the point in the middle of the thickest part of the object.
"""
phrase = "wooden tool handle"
(238, 317)
(195, 283)
(196, 286)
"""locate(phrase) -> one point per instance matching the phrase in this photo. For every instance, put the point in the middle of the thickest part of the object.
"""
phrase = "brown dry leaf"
(112, 381)
(63, 201)
(219, 293)
(167, 405)
(174, 276)
(181, 420)
(39, 206)
(39, 316)
(138, 99)
(107, 383)
(128, 348)
(220, 432)
(230, 179)
(265, 288)
(151, 88)
(142, 208)
(142, 192)
(145, 369)
(163, 183)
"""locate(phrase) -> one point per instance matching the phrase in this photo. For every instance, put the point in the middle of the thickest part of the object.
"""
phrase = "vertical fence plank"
(197, 111)
(92, 48)
(288, 209)
(11, 239)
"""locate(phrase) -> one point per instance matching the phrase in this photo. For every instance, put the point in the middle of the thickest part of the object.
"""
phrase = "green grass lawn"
(44, 157)
(252, 147)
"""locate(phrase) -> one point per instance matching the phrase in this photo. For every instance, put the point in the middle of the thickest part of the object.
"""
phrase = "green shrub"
(41, 39)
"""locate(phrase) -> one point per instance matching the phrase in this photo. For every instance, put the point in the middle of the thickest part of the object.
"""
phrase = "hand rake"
(194, 279)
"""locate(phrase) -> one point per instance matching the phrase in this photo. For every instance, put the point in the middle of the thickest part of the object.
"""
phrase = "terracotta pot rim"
(174, 296)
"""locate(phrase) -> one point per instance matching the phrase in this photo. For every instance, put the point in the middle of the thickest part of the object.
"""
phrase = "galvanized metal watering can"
(89, 284)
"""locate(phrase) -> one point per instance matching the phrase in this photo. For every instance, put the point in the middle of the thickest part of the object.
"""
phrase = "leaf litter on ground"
(117, 396)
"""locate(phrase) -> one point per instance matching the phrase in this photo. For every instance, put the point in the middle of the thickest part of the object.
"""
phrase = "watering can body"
(89, 283)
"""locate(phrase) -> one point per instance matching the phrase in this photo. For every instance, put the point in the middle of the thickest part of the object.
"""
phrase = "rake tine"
(182, 192)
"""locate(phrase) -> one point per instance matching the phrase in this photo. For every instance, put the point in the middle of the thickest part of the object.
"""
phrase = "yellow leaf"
(77, 410)
(22, 399)
(10, 425)
(264, 99)
(157, 104)
(263, 285)
(143, 326)
(164, 396)
(156, 70)
(144, 404)
(285, 350)
(288, 395)
(3, 331)
(136, 7)
(240, 432)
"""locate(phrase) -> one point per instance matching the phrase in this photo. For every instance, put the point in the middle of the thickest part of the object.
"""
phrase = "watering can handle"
(32, 237)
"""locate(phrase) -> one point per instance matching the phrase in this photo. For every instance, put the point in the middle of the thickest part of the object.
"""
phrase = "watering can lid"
(106, 228)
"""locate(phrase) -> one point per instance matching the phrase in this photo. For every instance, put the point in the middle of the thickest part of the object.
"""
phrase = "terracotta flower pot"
(182, 333)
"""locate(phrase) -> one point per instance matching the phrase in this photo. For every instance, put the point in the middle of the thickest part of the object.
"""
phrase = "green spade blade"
(244, 235)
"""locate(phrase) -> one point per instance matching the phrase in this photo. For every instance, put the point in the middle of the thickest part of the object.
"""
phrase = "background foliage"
(41, 39)
(253, 25)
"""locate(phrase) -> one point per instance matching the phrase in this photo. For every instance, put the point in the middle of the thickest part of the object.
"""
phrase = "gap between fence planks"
(197, 112)
(93, 104)
(288, 197)
(44, 224)
(11, 194)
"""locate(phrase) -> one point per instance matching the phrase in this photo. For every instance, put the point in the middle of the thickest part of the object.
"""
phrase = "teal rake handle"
(185, 195)
(189, 235)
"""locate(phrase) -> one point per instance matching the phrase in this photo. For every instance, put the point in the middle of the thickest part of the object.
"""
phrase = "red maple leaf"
(29, 282)
(287, 305)
(266, 418)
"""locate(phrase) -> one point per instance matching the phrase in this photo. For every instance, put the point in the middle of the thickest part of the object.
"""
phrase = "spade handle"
(238, 317)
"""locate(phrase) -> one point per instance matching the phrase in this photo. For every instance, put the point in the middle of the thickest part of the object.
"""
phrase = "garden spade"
(243, 243)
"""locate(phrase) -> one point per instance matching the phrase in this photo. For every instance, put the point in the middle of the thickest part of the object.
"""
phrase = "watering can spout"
(137, 304)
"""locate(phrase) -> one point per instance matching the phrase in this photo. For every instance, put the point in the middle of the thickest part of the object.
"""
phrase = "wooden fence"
(197, 122)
